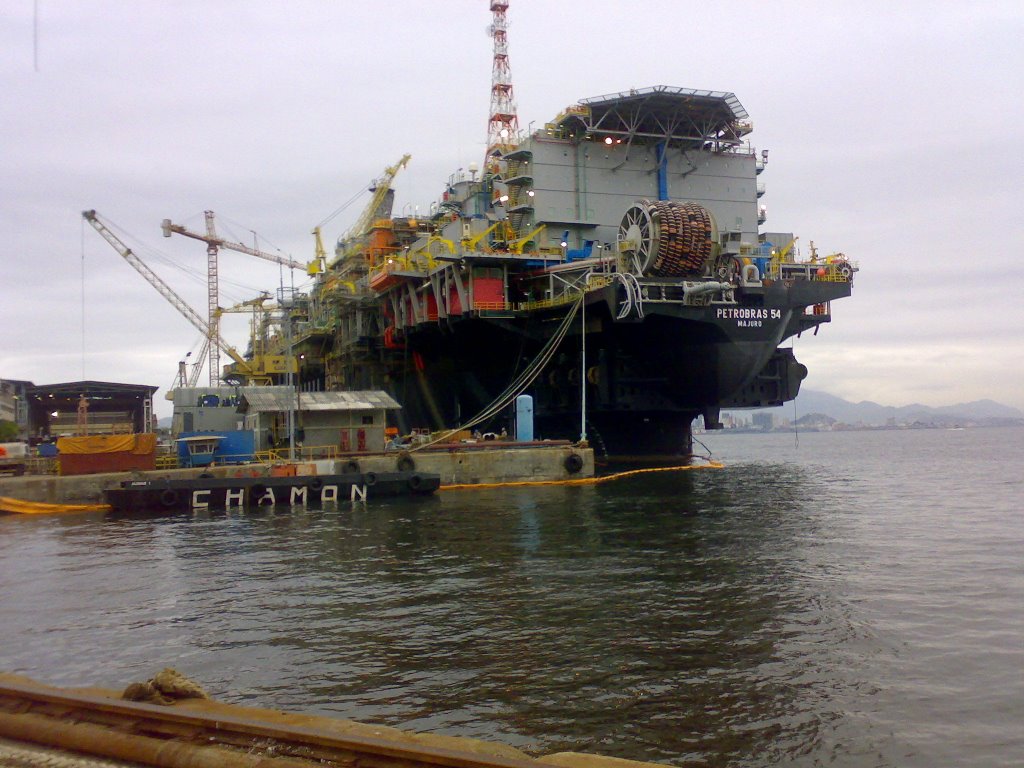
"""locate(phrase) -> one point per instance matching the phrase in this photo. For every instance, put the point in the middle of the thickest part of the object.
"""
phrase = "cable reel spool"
(668, 239)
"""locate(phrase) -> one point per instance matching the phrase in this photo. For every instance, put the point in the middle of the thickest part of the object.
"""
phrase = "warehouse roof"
(275, 402)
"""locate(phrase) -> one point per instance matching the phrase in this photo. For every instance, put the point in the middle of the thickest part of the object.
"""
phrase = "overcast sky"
(895, 130)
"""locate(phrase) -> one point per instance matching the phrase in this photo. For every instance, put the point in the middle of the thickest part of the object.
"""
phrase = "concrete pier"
(456, 465)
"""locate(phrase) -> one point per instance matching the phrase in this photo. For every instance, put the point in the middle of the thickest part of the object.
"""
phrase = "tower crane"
(213, 244)
(189, 378)
(244, 369)
(211, 237)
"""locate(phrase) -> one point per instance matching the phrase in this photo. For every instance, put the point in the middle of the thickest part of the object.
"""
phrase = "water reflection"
(682, 617)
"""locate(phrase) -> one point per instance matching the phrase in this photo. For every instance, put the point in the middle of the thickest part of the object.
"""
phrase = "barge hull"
(248, 492)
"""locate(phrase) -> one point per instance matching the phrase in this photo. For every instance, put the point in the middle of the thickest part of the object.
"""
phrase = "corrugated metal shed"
(277, 402)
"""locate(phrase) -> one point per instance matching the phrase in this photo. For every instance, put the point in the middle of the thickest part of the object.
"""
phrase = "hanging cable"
(634, 297)
(342, 207)
(525, 379)
(83, 299)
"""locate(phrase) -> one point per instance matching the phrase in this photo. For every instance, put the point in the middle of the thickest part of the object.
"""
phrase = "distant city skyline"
(811, 402)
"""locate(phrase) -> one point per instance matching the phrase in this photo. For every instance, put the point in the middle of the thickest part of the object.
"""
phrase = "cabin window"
(368, 419)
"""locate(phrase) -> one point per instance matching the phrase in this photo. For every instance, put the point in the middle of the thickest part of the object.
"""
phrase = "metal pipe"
(367, 751)
(105, 742)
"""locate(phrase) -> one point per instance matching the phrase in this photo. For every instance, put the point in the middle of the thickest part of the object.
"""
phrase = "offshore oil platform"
(611, 264)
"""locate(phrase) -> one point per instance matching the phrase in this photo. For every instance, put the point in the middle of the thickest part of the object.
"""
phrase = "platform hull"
(644, 382)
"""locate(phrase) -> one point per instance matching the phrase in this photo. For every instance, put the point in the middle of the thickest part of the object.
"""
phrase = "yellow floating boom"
(20, 507)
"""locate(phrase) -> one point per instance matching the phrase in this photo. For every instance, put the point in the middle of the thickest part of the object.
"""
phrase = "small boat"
(204, 493)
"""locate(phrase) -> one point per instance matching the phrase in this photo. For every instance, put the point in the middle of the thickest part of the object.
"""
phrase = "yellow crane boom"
(380, 189)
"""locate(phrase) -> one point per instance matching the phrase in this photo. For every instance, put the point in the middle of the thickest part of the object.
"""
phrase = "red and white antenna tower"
(503, 126)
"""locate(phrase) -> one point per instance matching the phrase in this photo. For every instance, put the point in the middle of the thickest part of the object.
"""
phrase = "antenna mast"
(503, 125)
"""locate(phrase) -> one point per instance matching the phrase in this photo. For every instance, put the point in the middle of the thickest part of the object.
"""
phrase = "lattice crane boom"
(380, 190)
(193, 377)
(151, 277)
(165, 290)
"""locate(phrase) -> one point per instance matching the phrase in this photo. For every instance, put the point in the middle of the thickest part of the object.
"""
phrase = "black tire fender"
(415, 482)
(168, 498)
(351, 467)
(406, 464)
(573, 463)
(316, 484)
(370, 478)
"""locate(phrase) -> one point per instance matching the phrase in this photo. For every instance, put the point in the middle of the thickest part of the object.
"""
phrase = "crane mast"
(321, 253)
(213, 244)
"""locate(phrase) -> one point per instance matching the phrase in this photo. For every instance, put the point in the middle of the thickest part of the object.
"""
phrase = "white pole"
(289, 377)
(583, 364)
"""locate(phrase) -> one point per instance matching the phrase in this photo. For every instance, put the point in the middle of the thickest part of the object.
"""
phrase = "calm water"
(856, 600)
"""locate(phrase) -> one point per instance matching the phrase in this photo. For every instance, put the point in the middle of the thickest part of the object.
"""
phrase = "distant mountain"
(980, 409)
(814, 407)
(873, 414)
